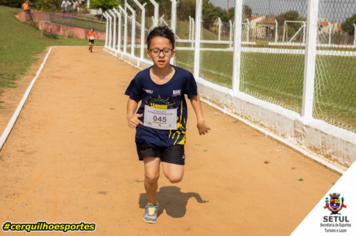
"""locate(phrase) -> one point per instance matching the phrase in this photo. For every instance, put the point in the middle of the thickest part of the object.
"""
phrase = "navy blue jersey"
(166, 96)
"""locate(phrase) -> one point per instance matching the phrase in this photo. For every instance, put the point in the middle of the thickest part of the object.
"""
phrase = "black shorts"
(173, 154)
(91, 41)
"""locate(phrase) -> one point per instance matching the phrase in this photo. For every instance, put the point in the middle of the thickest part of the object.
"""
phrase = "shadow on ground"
(172, 200)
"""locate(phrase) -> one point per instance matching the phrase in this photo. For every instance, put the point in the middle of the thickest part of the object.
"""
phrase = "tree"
(46, 5)
(105, 4)
(246, 11)
(348, 26)
(289, 15)
(185, 9)
(11, 3)
(211, 12)
(293, 16)
(290, 31)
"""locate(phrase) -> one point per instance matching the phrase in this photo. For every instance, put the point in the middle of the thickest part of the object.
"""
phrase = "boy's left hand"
(203, 127)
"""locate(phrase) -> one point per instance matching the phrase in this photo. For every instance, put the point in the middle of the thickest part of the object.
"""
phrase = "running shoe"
(91, 50)
(151, 213)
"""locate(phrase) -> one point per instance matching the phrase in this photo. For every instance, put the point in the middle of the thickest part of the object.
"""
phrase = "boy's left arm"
(202, 126)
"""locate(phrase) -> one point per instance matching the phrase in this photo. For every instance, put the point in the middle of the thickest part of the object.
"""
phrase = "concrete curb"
(16, 114)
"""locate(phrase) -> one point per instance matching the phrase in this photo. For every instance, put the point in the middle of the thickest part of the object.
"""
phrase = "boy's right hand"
(133, 120)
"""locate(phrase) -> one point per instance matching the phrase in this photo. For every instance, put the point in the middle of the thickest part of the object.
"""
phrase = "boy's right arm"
(132, 118)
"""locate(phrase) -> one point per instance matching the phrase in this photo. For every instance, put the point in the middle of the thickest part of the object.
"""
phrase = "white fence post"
(198, 12)
(276, 34)
(354, 34)
(174, 22)
(110, 30)
(329, 33)
(119, 30)
(133, 29)
(88, 4)
(230, 39)
(304, 36)
(310, 57)
(174, 15)
(125, 29)
(155, 22)
(219, 22)
(114, 35)
(237, 47)
(193, 32)
(190, 29)
(107, 29)
(142, 26)
(248, 30)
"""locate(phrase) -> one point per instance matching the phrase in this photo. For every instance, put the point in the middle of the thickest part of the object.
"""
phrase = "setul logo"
(335, 205)
(335, 222)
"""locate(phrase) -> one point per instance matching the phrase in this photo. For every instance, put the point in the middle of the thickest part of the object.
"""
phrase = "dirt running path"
(71, 158)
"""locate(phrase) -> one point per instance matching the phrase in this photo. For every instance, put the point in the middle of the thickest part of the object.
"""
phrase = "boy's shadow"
(172, 200)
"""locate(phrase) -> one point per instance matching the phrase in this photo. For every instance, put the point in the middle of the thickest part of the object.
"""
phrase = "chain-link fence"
(335, 74)
(54, 16)
(149, 24)
(268, 74)
(185, 35)
(272, 52)
(78, 20)
(84, 23)
(216, 49)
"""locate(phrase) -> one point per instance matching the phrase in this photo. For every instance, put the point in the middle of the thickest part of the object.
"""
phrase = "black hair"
(161, 31)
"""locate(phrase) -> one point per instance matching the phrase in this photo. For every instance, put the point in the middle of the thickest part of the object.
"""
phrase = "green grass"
(20, 43)
(278, 78)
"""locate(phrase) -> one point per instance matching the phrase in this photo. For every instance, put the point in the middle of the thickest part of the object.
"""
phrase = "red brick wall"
(61, 30)
(64, 30)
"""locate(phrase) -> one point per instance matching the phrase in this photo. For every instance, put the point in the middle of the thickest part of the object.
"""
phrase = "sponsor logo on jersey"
(176, 93)
(148, 91)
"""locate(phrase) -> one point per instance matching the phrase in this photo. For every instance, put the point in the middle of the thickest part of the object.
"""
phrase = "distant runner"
(26, 8)
(91, 36)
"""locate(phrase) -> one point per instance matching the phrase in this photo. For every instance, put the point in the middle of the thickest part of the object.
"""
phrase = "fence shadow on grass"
(172, 200)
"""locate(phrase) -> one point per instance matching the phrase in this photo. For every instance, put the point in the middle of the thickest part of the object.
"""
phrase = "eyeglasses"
(156, 52)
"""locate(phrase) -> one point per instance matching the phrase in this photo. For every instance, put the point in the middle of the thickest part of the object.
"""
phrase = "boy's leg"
(173, 172)
(173, 160)
(151, 165)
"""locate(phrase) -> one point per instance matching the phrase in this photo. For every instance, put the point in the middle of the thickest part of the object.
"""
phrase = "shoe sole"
(150, 222)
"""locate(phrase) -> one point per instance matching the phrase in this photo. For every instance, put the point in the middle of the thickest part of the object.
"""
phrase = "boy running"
(161, 119)
(91, 36)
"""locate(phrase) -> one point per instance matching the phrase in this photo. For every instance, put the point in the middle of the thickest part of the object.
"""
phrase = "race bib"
(91, 37)
(165, 119)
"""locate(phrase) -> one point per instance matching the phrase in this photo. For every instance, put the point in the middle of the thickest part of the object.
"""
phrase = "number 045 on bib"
(165, 119)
